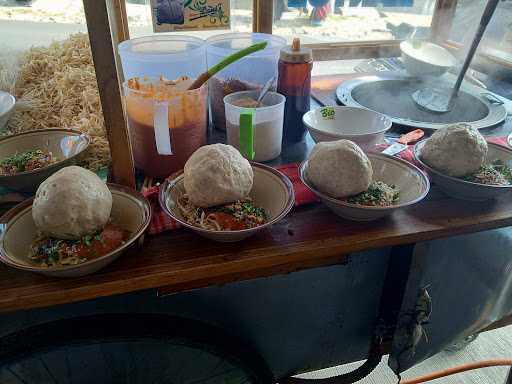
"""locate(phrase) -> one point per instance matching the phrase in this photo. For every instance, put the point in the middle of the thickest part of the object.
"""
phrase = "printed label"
(328, 113)
(190, 15)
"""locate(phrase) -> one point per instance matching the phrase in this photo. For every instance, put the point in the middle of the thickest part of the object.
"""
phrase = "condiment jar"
(166, 124)
(266, 121)
(249, 73)
(294, 82)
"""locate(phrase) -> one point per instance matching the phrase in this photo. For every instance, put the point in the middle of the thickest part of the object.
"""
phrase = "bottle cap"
(295, 53)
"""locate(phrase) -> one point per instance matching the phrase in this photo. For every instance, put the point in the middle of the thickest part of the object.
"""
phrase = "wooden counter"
(310, 236)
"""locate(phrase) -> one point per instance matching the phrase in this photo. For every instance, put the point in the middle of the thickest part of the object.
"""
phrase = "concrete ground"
(40, 21)
(495, 344)
(356, 23)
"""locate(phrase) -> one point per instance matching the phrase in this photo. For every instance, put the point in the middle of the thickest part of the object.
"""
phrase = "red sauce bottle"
(294, 82)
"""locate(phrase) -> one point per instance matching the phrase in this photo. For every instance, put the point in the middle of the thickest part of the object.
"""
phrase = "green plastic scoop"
(204, 77)
(247, 134)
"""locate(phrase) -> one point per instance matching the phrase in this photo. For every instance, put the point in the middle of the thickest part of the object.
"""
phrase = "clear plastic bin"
(163, 55)
(165, 127)
(267, 123)
(249, 73)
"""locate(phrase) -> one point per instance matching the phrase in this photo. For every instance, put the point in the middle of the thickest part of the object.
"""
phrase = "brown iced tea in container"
(167, 123)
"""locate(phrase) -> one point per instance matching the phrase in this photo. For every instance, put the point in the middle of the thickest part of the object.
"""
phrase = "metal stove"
(391, 95)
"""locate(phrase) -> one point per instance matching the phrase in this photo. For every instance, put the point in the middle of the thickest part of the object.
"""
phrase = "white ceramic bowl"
(271, 191)
(422, 58)
(130, 210)
(364, 127)
(7, 102)
(65, 144)
(411, 181)
(467, 190)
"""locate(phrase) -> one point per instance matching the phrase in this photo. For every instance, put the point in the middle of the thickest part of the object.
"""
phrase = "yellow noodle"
(56, 87)
(198, 217)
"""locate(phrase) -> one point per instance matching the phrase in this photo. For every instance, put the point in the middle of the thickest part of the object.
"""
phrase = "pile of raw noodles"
(56, 87)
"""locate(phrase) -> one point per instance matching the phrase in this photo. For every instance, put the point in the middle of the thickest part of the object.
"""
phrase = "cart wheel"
(127, 348)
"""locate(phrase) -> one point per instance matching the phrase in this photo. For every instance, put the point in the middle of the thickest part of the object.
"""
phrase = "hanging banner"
(189, 15)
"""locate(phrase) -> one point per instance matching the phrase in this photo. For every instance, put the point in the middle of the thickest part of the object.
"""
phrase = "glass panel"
(332, 21)
(39, 22)
(140, 24)
(497, 40)
(54, 82)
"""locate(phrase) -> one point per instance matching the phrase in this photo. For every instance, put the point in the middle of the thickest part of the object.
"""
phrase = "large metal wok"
(391, 94)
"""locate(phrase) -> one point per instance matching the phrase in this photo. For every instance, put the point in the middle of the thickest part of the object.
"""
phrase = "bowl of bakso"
(361, 186)
(463, 165)
(222, 196)
(75, 225)
(26, 159)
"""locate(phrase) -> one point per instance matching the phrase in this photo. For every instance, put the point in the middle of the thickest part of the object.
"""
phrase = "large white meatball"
(217, 174)
(71, 203)
(456, 150)
(339, 168)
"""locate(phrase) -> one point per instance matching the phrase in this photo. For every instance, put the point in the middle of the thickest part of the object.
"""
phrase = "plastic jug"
(249, 73)
(163, 55)
(166, 123)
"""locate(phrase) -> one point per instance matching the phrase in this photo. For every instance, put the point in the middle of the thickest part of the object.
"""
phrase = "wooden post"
(119, 28)
(254, 15)
(96, 15)
(263, 11)
(442, 20)
(119, 20)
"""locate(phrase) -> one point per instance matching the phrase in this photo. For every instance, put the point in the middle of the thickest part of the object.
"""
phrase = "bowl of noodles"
(269, 200)
(24, 247)
(395, 184)
(492, 180)
(28, 158)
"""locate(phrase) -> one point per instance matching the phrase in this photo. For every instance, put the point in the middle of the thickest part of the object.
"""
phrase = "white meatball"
(339, 168)
(456, 150)
(217, 174)
(71, 203)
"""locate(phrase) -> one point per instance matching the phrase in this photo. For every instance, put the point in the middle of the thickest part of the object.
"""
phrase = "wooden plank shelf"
(310, 236)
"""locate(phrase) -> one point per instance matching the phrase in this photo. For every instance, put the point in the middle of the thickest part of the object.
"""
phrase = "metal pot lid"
(391, 95)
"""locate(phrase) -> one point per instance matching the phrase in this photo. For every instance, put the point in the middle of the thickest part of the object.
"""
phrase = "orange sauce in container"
(187, 120)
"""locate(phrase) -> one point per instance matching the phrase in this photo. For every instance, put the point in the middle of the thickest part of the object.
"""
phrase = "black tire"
(24, 349)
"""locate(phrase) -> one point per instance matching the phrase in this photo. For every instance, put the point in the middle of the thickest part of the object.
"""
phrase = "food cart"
(310, 292)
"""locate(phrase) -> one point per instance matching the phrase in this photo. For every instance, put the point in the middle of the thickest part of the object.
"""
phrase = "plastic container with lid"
(248, 73)
(163, 55)
(267, 123)
(166, 124)
(295, 65)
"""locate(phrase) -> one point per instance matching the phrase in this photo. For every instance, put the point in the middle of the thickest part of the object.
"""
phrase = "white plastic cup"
(267, 122)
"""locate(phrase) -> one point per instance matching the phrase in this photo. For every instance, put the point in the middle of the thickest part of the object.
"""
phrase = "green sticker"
(328, 113)
(103, 173)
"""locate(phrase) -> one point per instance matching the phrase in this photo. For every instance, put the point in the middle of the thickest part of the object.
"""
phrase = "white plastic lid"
(228, 43)
(162, 48)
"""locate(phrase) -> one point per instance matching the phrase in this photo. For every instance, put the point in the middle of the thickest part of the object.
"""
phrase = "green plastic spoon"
(204, 77)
